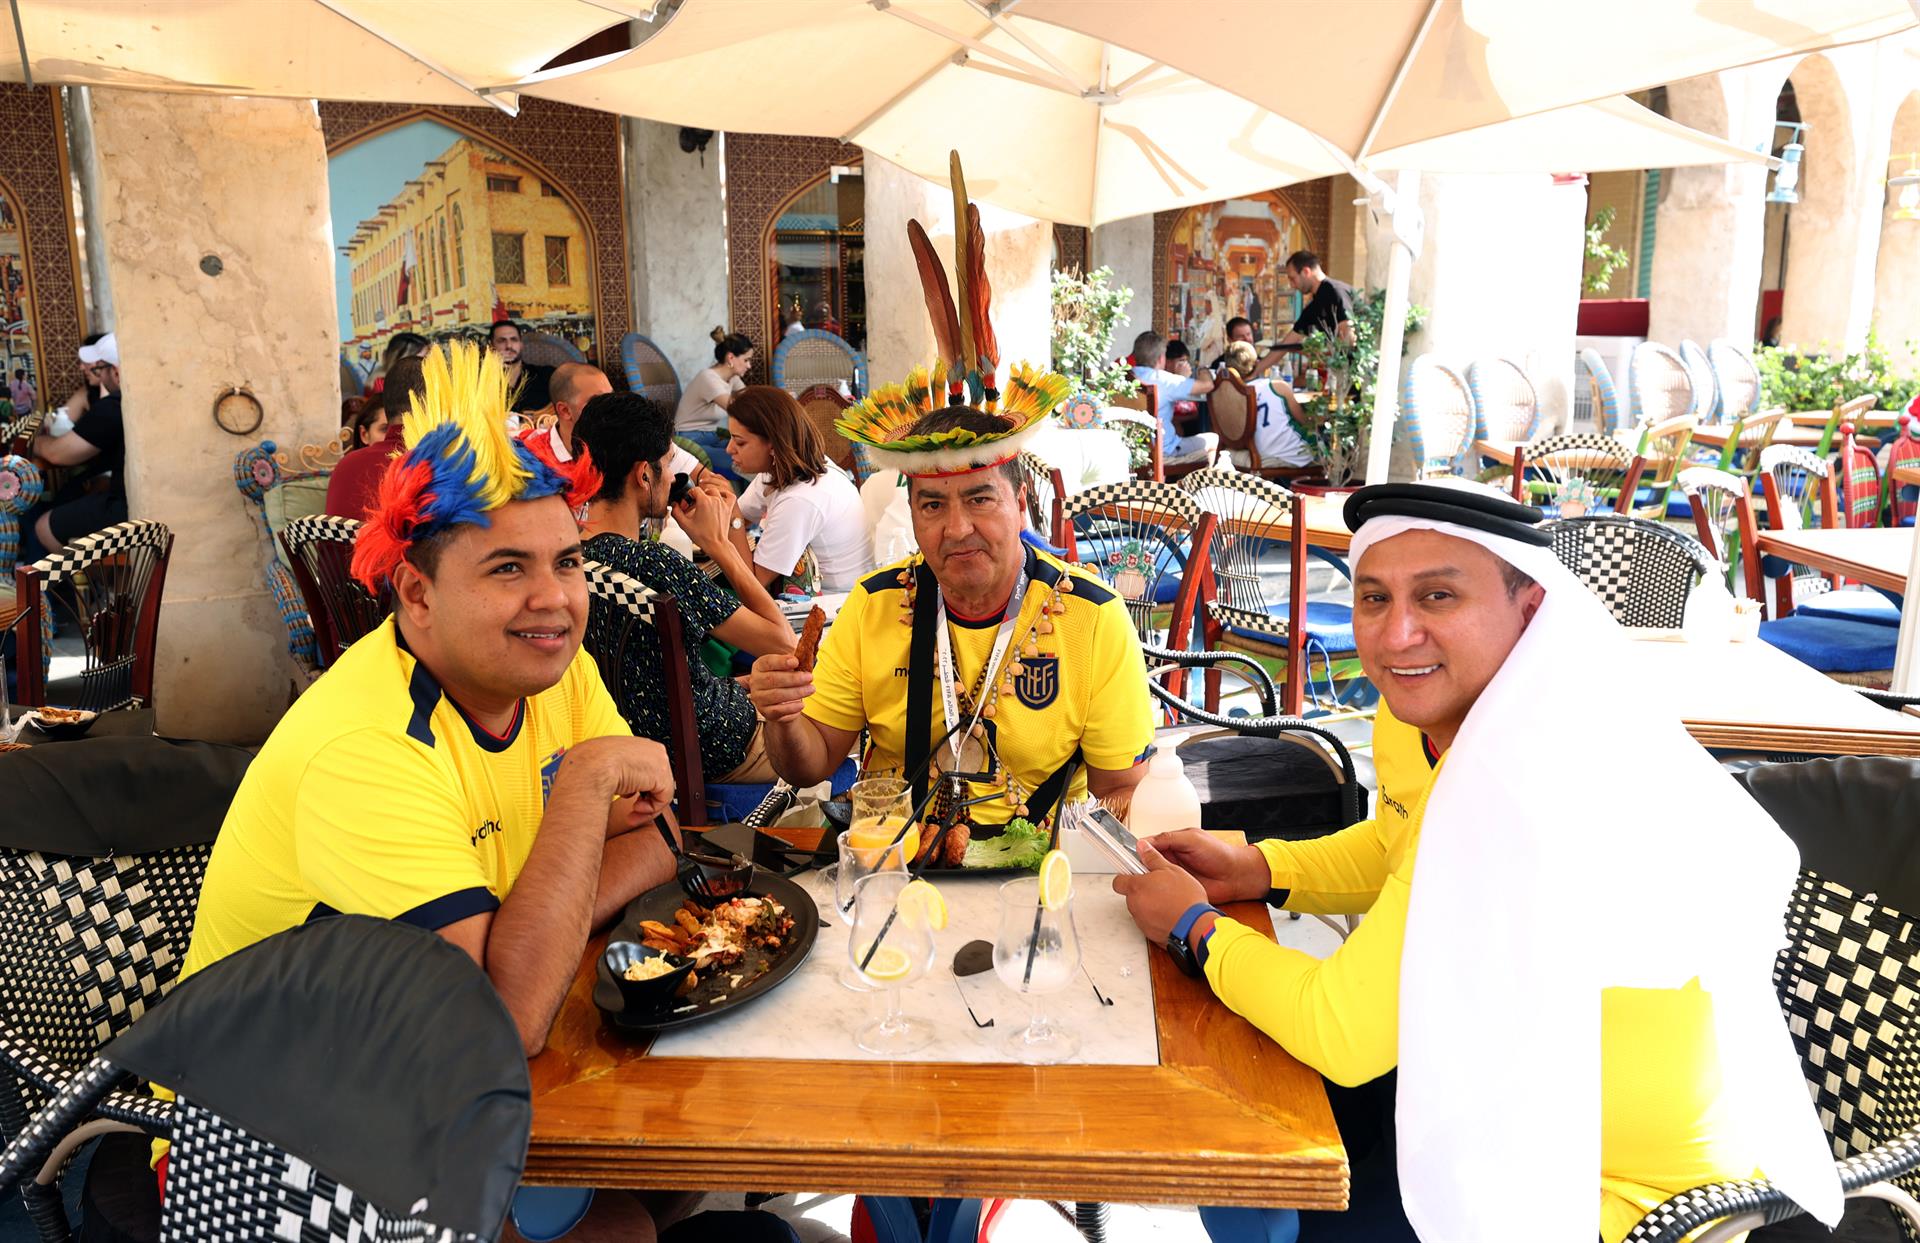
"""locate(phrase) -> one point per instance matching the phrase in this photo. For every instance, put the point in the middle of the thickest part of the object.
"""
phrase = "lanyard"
(949, 674)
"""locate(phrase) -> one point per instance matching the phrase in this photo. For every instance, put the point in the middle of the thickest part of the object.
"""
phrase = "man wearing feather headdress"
(1034, 666)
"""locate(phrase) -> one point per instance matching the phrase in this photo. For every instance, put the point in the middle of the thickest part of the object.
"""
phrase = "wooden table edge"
(1780, 544)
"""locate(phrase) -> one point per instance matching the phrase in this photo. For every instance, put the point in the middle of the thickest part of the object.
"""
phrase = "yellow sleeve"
(1339, 1015)
(1120, 723)
(380, 831)
(838, 699)
(1339, 874)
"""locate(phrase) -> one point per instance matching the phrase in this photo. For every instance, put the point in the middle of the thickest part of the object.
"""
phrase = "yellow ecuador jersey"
(1664, 1127)
(376, 795)
(1085, 688)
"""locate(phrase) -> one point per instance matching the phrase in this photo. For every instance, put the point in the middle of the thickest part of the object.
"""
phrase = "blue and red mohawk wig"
(460, 464)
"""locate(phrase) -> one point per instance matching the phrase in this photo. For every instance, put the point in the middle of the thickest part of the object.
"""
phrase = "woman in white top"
(800, 499)
(702, 414)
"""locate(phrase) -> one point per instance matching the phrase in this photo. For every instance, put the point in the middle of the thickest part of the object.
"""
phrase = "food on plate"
(12, 746)
(649, 969)
(953, 847)
(62, 716)
(721, 935)
(809, 645)
(1020, 845)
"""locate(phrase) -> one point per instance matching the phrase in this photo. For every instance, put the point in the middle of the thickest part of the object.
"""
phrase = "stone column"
(1895, 310)
(1019, 262)
(677, 243)
(189, 183)
(1126, 246)
(1834, 231)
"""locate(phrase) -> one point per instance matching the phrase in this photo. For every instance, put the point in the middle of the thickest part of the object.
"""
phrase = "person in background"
(354, 485)
(630, 441)
(1149, 367)
(369, 422)
(23, 393)
(702, 416)
(800, 499)
(1187, 415)
(400, 345)
(93, 441)
(1178, 359)
(792, 322)
(1239, 329)
(1280, 424)
(1329, 302)
(528, 382)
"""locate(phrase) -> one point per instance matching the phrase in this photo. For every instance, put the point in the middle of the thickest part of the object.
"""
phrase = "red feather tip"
(583, 478)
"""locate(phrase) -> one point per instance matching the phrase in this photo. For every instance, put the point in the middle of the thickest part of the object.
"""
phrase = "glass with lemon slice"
(903, 955)
(1037, 953)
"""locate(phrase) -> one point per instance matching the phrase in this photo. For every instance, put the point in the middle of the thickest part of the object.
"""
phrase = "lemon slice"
(918, 898)
(888, 964)
(1056, 880)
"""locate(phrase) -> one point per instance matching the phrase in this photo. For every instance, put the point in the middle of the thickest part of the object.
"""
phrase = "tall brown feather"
(980, 297)
(933, 281)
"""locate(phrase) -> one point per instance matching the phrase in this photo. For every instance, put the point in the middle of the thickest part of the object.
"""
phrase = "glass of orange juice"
(881, 806)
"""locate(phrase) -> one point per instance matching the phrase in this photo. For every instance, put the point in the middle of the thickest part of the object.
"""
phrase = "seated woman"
(1280, 425)
(800, 499)
(368, 420)
(702, 416)
(631, 444)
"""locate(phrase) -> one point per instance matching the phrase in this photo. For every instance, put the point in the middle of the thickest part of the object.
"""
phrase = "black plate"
(715, 993)
(67, 732)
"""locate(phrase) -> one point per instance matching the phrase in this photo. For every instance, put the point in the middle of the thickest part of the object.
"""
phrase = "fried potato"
(658, 929)
(687, 921)
(809, 646)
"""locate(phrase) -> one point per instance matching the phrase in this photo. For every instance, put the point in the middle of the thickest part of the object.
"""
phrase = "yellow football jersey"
(1086, 687)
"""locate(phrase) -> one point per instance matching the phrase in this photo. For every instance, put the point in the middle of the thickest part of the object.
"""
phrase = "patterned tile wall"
(764, 171)
(1312, 202)
(33, 167)
(1070, 248)
(577, 149)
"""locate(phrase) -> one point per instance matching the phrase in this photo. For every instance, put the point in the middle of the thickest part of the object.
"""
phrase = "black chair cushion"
(1266, 787)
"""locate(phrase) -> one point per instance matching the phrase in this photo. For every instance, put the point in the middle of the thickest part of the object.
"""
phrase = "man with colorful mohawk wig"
(461, 767)
(1018, 667)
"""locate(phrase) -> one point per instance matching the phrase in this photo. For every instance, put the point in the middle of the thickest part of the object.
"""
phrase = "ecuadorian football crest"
(1038, 681)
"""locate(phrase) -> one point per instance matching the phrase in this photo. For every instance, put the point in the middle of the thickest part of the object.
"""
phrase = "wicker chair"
(96, 909)
(1706, 389)
(1234, 408)
(1662, 387)
(376, 1056)
(1582, 470)
(1901, 501)
(320, 554)
(1140, 538)
(1608, 416)
(649, 372)
(116, 576)
(1241, 610)
(20, 489)
(824, 406)
(1713, 501)
(1800, 493)
(1747, 442)
(1851, 961)
(1662, 454)
(1137, 418)
(1642, 571)
(1736, 379)
(1859, 483)
(278, 491)
(816, 356)
(1046, 497)
(1505, 405)
(1845, 643)
(1437, 416)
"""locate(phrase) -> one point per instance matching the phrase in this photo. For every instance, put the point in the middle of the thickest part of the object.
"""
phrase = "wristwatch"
(1184, 954)
(739, 524)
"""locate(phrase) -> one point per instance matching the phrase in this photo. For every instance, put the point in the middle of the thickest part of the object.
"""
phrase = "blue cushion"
(1832, 645)
(1861, 606)
(1678, 506)
(1328, 622)
(727, 804)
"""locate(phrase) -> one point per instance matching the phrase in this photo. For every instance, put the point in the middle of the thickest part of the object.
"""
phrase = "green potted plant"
(1340, 415)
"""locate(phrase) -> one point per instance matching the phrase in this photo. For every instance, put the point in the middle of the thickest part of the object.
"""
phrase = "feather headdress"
(964, 373)
(460, 463)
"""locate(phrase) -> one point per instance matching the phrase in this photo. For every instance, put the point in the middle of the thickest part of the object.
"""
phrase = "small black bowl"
(644, 996)
(67, 731)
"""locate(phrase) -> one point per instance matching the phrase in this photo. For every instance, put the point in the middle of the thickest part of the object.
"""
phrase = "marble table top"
(812, 1016)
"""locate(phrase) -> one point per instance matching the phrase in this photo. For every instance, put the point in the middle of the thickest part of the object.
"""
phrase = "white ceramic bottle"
(1164, 800)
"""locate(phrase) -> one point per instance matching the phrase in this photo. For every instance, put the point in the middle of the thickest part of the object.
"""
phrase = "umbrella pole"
(1906, 661)
(1403, 214)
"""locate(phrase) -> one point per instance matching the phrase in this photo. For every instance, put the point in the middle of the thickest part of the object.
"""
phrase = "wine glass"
(856, 863)
(903, 956)
(1036, 953)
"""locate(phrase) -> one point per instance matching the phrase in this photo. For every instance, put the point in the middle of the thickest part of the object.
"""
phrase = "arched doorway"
(1811, 245)
(1228, 259)
(1896, 311)
(815, 249)
(20, 360)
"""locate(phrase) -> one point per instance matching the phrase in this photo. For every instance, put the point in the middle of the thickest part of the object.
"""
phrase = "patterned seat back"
(1046, 498)
(257, 473)
(1859, 484)
(1662, 388)
(1706, 389)
(1751, 437)
(1798, 486)
(824, 406)
(1436, 409)
(1736, 379)
(20, 489)
(1608, 416)
(320, 553)
(1231, 407)
(115, 576)
(621, 610)
(1576, 474)
(1136, 535)
(816, 356)
(1242, 597)
(649, 372)
(1903, 499)
(1663, 454)
(1714, 497)
(1505, 405)
(1642, 571)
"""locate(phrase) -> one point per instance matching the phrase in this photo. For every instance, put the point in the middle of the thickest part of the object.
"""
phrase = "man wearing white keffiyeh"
(1573, 989)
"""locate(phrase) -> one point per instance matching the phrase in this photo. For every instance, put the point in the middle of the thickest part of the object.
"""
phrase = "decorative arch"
(575, 150)
(769, 260)
(1895, 310)
(1818, 235)
(17, 300)
(37, 177)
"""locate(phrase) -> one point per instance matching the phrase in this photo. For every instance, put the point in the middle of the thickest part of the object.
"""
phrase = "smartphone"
(1104, 830)
(678, 489)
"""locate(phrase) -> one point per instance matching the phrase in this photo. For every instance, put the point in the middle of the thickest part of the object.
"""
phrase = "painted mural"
(442, 234)
(1228, 259)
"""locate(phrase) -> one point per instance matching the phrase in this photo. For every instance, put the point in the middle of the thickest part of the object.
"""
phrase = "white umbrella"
(1050, 123)
(419, 51)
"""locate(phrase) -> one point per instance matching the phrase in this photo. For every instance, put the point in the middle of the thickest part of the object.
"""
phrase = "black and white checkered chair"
(1846, 982)
(319, 552)
(1137, 535)
(351, 1079)
(1642, 571)
(1579, 468)
(97, 901)
(115, 577)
